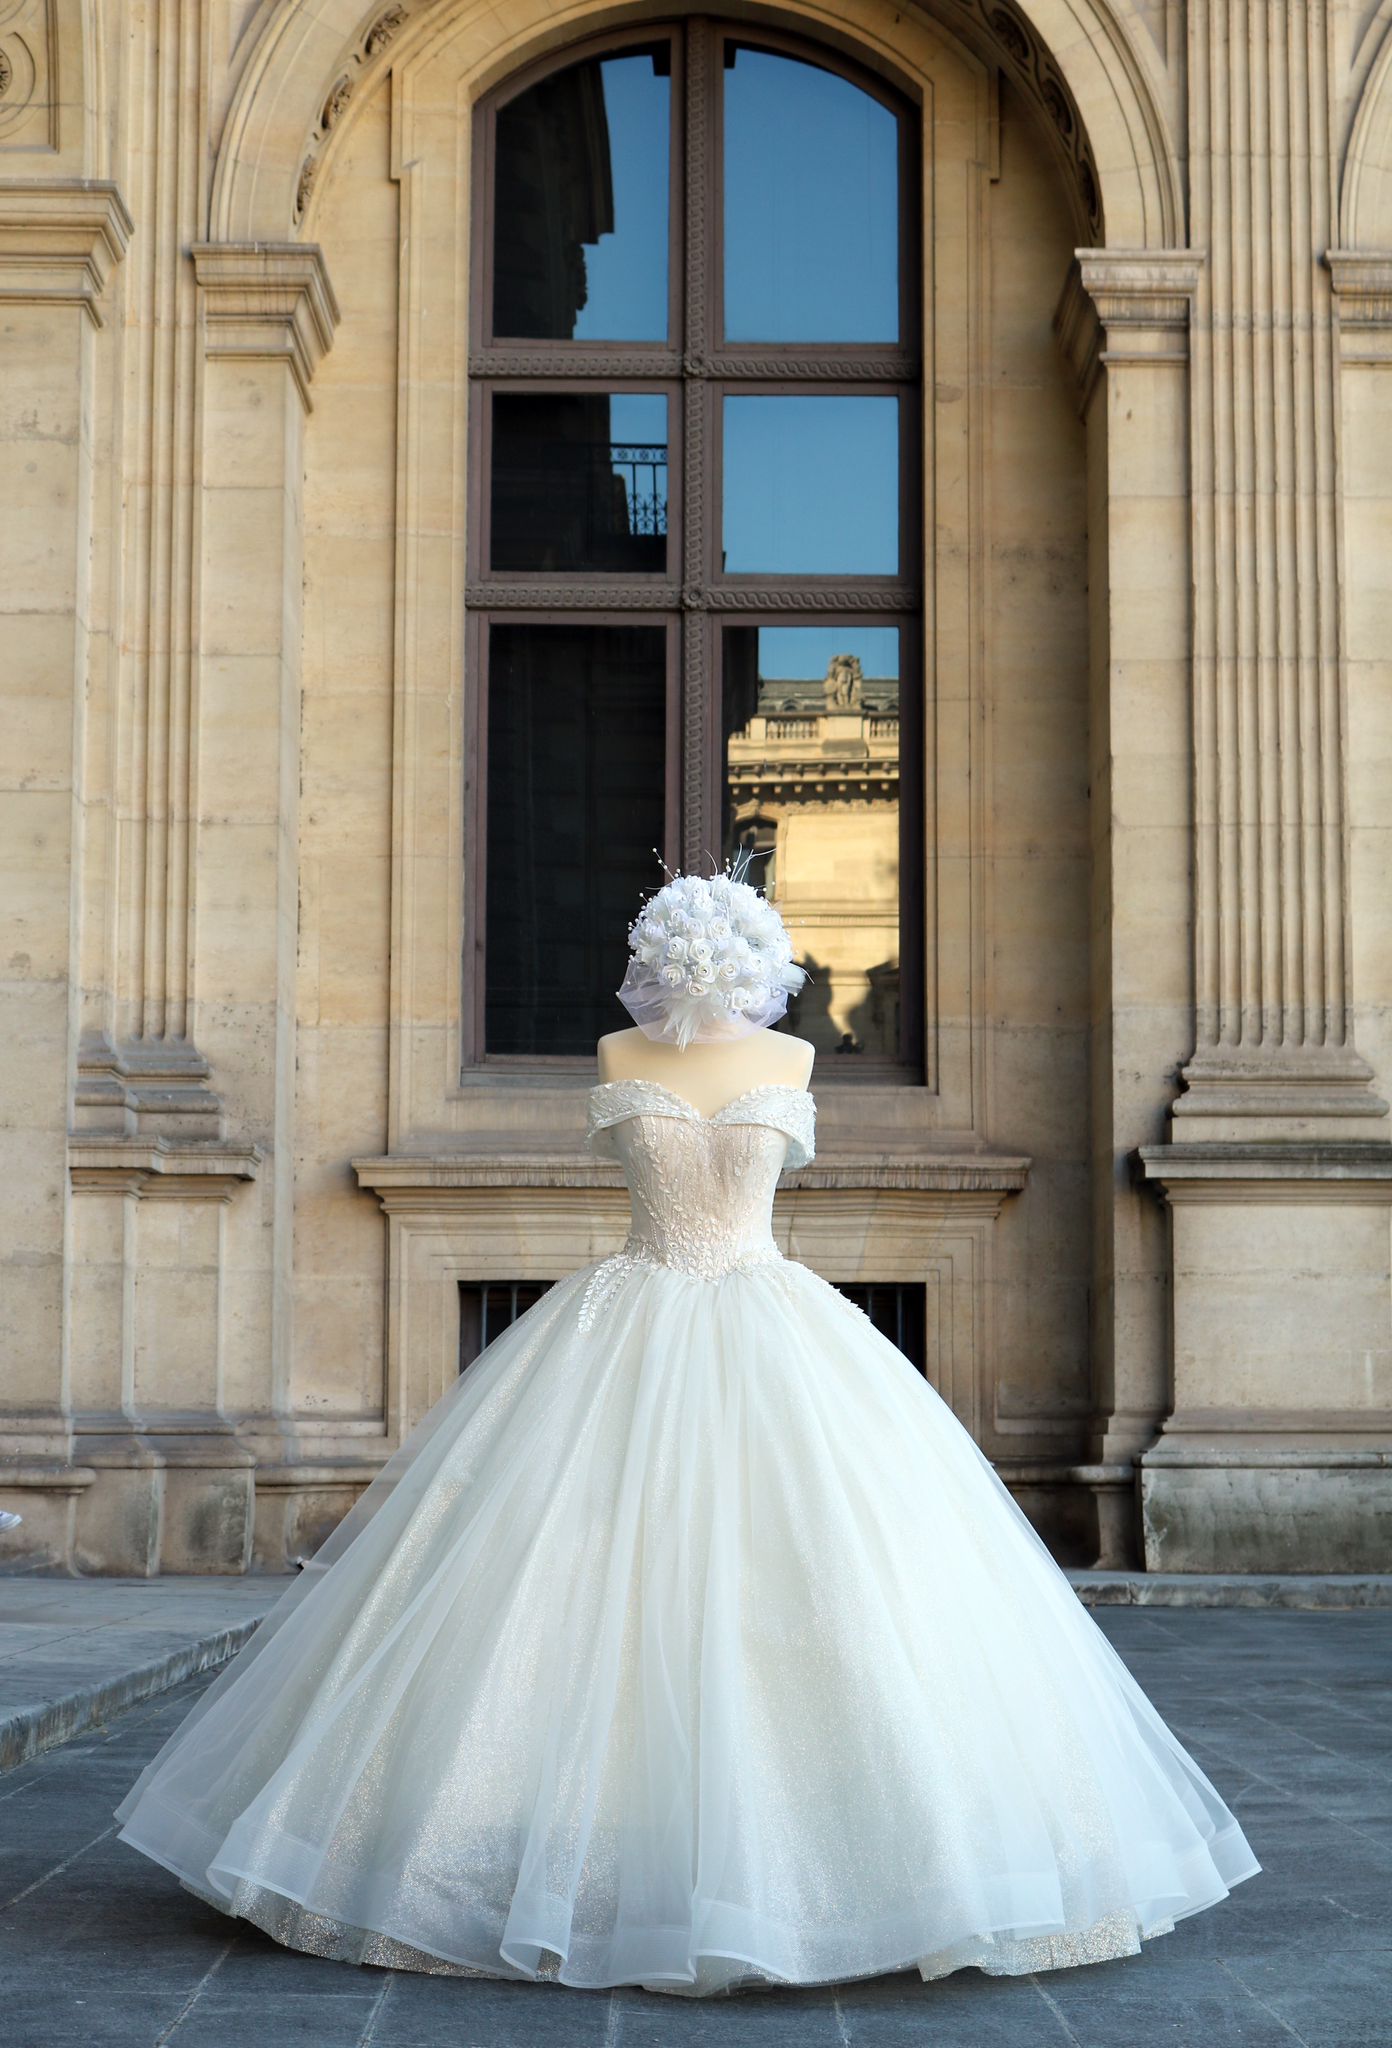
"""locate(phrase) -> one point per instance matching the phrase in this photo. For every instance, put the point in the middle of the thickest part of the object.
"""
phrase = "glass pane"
(580, 481)
(811, 771)
(576, 781)
(581, 203)
(811, 486)
(811, 205)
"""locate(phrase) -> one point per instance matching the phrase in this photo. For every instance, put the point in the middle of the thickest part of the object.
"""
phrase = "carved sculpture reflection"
(812, 782)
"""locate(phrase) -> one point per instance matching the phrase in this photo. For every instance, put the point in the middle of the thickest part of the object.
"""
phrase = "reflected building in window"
(812, 784)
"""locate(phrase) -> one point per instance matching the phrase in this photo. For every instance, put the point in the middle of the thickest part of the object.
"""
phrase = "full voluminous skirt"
(694, 1648)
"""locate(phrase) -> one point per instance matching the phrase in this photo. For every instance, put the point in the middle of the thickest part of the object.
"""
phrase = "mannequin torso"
(708, 1075)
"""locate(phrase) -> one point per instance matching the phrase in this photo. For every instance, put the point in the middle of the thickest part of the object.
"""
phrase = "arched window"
(695, 524)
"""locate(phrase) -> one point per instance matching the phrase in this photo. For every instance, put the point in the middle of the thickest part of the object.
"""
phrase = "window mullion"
(698, 510)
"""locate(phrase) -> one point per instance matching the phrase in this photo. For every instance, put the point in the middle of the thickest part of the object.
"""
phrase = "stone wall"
(1145, 1178)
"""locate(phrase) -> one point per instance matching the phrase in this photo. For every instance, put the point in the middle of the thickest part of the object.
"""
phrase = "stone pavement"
(73, 1652)
(1287, 1711)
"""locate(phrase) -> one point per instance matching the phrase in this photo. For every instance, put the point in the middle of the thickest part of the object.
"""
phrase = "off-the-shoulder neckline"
(689, 1108)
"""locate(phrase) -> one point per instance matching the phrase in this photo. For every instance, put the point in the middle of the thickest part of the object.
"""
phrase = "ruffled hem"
(670, 1960)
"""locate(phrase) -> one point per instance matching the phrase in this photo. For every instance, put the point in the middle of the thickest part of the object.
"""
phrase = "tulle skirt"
(696, 1649)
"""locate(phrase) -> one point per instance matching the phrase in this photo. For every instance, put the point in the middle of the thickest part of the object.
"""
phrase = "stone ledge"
(162, 1166)
(1270, 1170)
(414, 1173)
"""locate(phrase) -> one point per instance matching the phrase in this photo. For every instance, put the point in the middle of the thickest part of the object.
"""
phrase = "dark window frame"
(696, 370)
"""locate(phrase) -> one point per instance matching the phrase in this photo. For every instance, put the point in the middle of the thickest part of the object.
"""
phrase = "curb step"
(48, 1724)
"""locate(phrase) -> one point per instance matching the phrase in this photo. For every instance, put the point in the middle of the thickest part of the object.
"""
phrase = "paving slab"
(1288, 1711)
(74, 1652)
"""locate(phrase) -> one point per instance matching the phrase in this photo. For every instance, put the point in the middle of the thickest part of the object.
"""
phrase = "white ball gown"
(689, 1642)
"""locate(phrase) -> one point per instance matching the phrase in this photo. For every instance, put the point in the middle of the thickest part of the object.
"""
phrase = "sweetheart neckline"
(698, 1115)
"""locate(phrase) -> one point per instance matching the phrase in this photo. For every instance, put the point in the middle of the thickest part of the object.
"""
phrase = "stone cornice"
(1362, 282)
(1125, 306)
(60, 242)
(267, 301)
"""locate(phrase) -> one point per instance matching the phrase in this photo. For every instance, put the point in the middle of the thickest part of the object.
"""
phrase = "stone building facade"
(1114, 1123)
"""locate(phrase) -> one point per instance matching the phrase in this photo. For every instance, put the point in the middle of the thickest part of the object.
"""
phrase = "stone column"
(1278, 1172)
(181, 1246)
(268, 314)
(59, 244)
(1274, 1055)
(1123, 322)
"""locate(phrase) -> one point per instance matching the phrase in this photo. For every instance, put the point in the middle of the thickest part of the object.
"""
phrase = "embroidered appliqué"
(603, 1283)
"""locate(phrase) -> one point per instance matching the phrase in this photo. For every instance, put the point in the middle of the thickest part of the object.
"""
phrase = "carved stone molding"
(1005, 29)
(372, 40)
(154, 1087)
(1126, 305)
(1362, 281)
(60, 242)
(1323, 1082)
(264, 300)
(162, 1169)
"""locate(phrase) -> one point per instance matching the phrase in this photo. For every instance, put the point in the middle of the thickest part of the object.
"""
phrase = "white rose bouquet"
(710, 958)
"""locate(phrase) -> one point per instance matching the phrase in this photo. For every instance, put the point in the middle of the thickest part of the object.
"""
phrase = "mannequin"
(708, 1074)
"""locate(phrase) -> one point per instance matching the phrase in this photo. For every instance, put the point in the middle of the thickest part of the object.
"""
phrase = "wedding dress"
(689, 1642)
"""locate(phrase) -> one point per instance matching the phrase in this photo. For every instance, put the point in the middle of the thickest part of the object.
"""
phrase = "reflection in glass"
(579, 481)
(811, 486)
(576, 775)
(581, 204)
(811, 205)
(810, 719)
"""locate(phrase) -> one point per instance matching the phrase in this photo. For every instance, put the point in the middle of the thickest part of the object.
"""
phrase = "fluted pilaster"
(1273, 1038)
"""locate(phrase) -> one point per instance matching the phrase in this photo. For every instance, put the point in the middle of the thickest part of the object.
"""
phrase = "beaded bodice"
(701, 1187)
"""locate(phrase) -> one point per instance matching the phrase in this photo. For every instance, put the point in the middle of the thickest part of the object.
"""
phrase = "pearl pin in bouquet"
(710, 958)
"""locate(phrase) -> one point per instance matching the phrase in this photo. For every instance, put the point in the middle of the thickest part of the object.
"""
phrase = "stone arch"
(1365, 193)
(1080, 61)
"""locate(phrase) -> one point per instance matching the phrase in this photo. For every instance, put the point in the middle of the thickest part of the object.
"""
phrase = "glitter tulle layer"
(694, 1647)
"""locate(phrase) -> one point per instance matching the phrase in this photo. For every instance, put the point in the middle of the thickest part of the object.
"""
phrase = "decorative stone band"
(60, 242)
(264, 300)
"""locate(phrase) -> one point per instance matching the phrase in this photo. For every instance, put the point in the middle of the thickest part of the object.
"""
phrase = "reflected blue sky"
(811, 486)
(811, 206)
(801, 653)
(638, 416)
(626, 271)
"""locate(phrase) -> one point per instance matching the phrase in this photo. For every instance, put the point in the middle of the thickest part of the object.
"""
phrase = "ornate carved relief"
(26, 84)
(377, 37)
(1027, 62)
